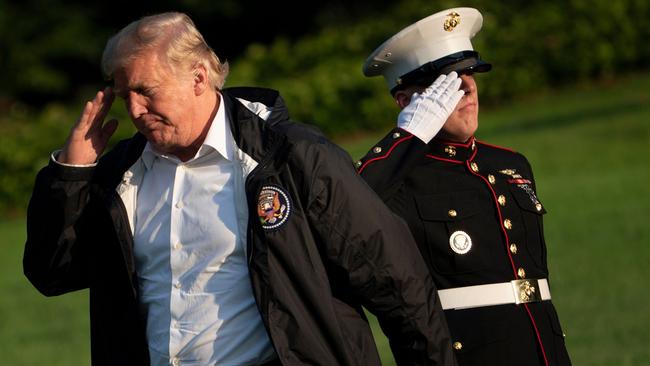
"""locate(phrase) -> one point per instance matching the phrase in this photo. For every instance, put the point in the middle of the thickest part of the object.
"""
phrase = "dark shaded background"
(50, 48)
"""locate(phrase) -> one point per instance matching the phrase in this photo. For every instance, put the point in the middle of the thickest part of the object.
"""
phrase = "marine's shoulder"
(387, 151)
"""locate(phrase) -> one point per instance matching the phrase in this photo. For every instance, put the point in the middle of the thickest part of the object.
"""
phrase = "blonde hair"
(173, 34)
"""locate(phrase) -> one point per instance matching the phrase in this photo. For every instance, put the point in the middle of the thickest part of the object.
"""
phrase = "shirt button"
(502, 200)
(180, 204)
(176, 361)
(521, 272)
(177, 284)
(513, 248)
(507, 224)
(177, 246)
(458, 346)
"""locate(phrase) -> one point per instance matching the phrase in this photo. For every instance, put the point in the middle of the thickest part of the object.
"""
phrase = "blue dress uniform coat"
(484, 195)
(320, 245)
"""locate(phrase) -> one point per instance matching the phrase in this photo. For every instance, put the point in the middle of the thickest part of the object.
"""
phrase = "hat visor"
(465, 62)
(462, 67)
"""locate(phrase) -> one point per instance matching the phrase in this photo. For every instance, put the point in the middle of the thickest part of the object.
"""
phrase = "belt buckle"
(526, 291)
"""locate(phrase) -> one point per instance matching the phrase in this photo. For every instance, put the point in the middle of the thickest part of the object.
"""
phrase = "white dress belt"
(513, 292)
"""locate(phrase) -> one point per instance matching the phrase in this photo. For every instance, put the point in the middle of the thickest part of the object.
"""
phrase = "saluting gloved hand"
(427, 112)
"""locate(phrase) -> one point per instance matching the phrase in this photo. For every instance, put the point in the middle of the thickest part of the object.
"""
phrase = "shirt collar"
(219, 138)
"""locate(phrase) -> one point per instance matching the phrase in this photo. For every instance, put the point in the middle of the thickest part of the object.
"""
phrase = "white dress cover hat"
(437, 44)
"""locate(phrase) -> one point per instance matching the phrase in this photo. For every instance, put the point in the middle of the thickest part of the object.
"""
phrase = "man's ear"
(200, 79)
(403, 98)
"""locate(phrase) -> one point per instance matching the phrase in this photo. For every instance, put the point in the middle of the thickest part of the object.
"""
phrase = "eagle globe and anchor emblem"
(273, 207)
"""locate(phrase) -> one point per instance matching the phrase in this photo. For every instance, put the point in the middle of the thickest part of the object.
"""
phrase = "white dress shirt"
(189, 224)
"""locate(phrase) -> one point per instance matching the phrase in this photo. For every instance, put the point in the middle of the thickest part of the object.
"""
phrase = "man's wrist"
(55, 155)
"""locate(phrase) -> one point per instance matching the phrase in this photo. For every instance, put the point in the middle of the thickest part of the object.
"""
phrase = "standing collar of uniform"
(452, 151)
(219, 138)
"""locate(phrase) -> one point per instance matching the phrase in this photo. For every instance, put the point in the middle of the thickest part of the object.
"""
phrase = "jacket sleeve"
(54, 260)
(375, 248)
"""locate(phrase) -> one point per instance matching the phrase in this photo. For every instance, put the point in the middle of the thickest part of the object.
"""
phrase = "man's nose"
(135, 105)
(468, 84)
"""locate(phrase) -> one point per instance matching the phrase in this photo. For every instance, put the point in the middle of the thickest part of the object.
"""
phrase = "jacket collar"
(452, 151)
(253, 113)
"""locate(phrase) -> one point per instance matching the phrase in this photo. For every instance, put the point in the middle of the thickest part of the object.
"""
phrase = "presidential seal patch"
(273, 207)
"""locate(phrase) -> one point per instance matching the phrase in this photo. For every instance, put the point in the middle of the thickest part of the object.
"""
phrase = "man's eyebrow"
(133, 87)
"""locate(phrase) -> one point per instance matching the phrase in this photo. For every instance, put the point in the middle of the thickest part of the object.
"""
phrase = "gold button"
(358, 163)
(507, 224)
(396, 135)
(474, 167)
(538, 206)
(513, 248)
(473, 145)
(502, 200)
(450, 150)
(377, 150)
(452, 213)
(458, 346)
(491, 179)
(521, 273)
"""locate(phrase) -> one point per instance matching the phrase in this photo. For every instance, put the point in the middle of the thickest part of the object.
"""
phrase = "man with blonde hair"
(221, 233)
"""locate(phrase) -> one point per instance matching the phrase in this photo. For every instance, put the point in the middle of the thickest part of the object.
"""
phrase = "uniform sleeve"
(375, 248)
(389, 160)
(54, 261)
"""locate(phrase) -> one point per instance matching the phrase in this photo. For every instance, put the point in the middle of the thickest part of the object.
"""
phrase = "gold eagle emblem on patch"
(273, 207)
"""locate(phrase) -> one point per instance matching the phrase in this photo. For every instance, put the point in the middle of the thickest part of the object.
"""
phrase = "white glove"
(427, 112)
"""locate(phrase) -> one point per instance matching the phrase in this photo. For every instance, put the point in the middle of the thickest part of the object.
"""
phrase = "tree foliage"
(50, 50)
(533, 46)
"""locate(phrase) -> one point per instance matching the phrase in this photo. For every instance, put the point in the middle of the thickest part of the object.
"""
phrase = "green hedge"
(532, 45)
(536, 46)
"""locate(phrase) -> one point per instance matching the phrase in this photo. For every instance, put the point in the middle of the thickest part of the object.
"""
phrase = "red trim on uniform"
(460, 144)
(503, 229)
(473, 154)
(539, 338)
(385, 155)
(518, 181)
(466, 145)
(512, 262)
(443, 159)
(496, 147)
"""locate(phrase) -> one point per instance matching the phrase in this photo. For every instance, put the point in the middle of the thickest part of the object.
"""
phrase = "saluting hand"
(89, 136)
(427, 112)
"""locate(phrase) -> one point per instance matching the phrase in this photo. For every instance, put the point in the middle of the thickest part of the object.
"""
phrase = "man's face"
(160, 102)
(463, 121)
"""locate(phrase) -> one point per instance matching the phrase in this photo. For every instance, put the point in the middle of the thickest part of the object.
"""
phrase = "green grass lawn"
(588, 148)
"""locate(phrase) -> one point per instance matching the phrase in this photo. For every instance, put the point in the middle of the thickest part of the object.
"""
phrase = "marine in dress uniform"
(471, 206)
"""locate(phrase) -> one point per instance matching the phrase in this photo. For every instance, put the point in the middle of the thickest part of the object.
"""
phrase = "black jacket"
(488, 194)
(333, 248)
